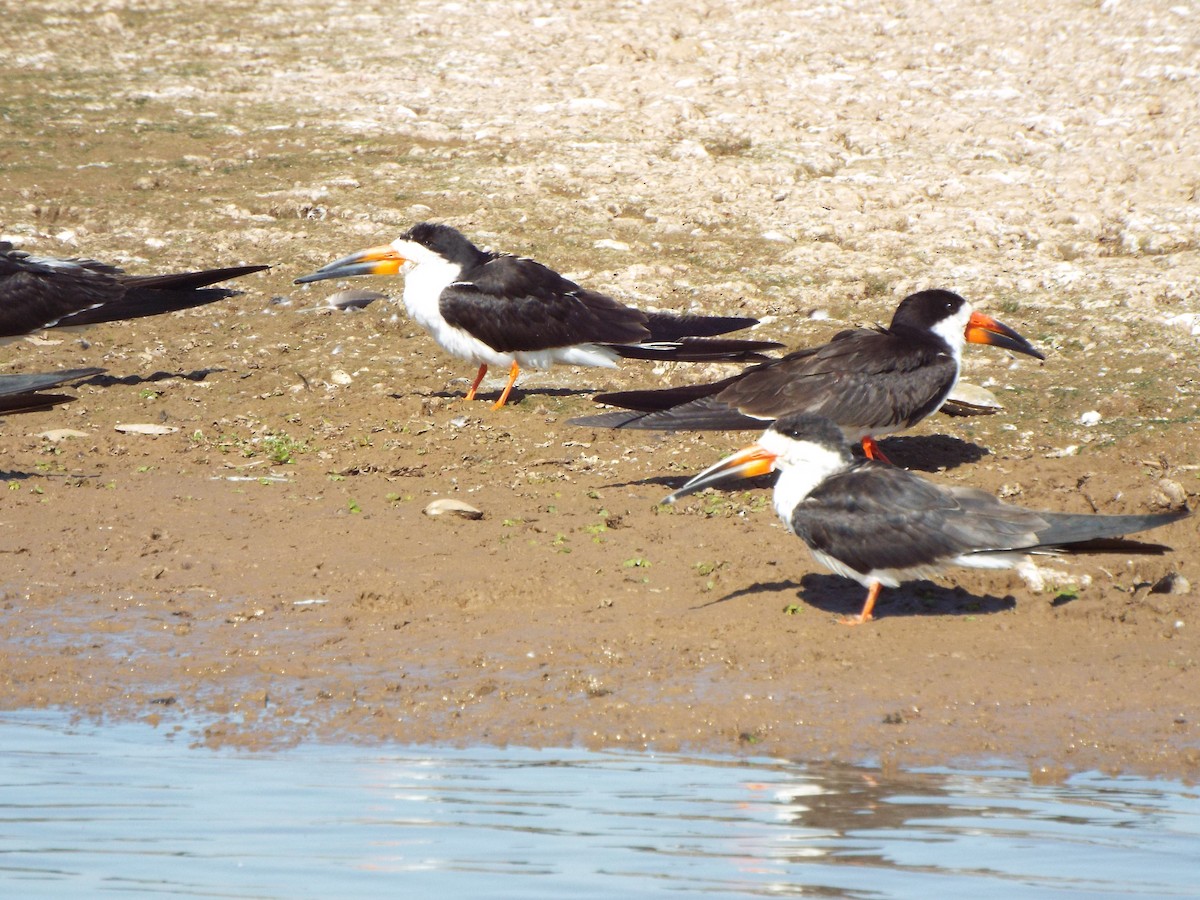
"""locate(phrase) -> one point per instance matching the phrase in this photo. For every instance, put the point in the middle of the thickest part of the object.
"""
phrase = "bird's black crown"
(810, 427)
(447, 242)
(926, 308)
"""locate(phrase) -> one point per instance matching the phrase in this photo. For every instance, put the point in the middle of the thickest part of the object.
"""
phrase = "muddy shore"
(267, 570)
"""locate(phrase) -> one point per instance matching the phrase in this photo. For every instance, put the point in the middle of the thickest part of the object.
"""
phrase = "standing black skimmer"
(21, 393)
(871, 382)
(38, 292)
(495, 309)
(881, 525)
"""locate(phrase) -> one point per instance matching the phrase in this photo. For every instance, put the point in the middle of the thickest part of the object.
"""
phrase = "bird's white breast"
(426, 275)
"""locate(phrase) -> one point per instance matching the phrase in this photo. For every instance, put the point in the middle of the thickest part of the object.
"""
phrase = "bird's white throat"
(954, 331)
(802, 466)
(426, 275)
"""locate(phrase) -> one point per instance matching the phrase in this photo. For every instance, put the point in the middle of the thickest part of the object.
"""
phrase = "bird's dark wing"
(44, 292)
(875, 516)
(862, 378)
(20, 393)
(38, 293)
(152, 295)
(514, 304)
(34, 262)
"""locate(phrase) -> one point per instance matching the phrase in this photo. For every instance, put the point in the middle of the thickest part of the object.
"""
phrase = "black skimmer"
(871, 382)
(21, 393)
(38, 292)
(495, 309)
(881, 525)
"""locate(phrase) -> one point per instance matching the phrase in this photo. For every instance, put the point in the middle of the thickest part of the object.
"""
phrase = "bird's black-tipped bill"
(372, 261)
(753, 460)
(983, 329)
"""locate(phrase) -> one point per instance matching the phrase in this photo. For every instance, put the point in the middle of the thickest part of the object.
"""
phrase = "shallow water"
(120, 808)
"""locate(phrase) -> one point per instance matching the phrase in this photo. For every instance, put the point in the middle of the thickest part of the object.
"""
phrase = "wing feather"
(861, 378)
(875, 517)
(514, 304)
(879, 517)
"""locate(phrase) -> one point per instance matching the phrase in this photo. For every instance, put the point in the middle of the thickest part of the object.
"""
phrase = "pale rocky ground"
(806, 163)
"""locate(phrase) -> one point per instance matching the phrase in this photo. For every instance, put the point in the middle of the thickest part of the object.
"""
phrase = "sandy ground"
(267, 570)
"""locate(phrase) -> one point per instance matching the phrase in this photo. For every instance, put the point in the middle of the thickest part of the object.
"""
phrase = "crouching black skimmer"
(38, 292)
(871, 382)
(22, 393)
(495, 309)
(881, 525)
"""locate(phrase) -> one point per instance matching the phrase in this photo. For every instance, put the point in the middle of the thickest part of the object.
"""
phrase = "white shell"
(446, 506)
(355, 298)
(971, 400)
(146, 429)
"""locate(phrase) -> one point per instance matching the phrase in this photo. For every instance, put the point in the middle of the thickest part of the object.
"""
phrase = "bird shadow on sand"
(14, 475)
(132, 380)
(931, 452)
(843, 597)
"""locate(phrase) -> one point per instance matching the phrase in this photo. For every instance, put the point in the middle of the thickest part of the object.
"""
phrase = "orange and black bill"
(753, 460)
(383, 260)
(983, 329)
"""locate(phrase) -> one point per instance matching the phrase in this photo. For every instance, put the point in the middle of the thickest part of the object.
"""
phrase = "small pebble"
(608, 244)
(1173, 491)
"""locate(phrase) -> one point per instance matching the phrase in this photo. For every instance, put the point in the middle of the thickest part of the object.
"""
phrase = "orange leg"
(512, 379)
(865, 616)
(475, 383)
(873, 450)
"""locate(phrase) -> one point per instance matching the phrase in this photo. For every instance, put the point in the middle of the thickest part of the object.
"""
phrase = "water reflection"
(91, 810)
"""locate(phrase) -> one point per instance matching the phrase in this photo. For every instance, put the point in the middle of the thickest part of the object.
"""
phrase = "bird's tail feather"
(137, 304)
(152, 295)
(1073, 533)
(23, 384)
(1116, 545)
(19, 393)
(663, 398)
(704, 414)
(697, 349)
(665, 326)
(189, 281)
(31, 402)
